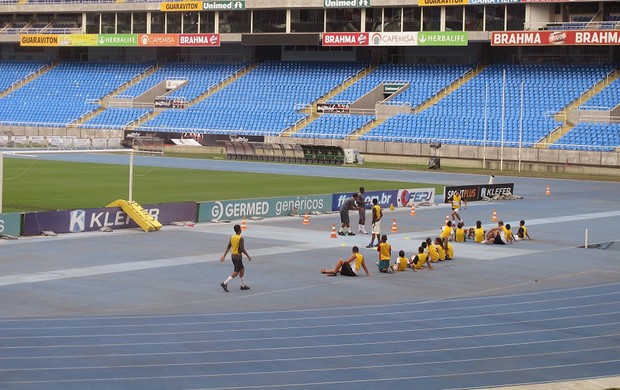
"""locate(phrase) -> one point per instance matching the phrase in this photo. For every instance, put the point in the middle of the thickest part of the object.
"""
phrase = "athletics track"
(134, 310)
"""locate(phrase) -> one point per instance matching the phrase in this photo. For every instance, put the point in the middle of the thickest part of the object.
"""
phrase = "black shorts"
(498, 240)
(237, 262)
(346, 270)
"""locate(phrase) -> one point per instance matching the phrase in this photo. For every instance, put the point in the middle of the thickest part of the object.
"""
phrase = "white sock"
(242, 281)
(228, 280)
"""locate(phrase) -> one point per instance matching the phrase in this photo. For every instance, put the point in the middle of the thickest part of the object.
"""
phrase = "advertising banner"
(478, 191)
(79, 40)
(423, 3)
(385, 198)
(10, 224)
(262, 207)
(121, 40)
(546, 38)
(490, 190)
(469, 192)
(158, 40)
(38, 40)
(345, 39)
(199, 40)
(394, 39)
(408, 197)
(223, 5)
(346, 3)
(443, 38)
(117, 40)
(75, 221)
(181, 6)
(333, 107)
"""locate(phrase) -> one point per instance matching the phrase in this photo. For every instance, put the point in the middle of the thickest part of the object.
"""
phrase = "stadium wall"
(491, 157)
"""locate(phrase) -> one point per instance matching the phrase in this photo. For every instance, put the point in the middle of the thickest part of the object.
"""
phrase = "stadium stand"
(60, 96)
(591, 136)
(334, 126)
(199, 76)
(608, 98)
(14, 71)
(427, 80)
(116, 117)
(260, 103)
(459, 117)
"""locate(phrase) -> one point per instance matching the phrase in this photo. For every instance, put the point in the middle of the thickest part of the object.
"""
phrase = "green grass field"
(33, 185)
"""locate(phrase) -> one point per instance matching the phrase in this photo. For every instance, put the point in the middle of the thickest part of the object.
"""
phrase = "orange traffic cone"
(394, 226)
(306, 219)
(494, 218)
(447, 219)
(244, 225)
(548, 192)
(334, 235)
(412, 209)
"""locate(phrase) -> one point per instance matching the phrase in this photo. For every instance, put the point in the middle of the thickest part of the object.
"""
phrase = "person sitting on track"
(350, 266)
(418, 260)
(460, 235)
(522, 232)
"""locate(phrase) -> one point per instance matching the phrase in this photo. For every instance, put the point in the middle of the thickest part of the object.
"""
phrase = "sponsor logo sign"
(385, 198)
(469, 193)
(394, 39)
(181, 6)
(407, 197)
(443, 38)
(262, 207)
(392, 88)
(79, 40)
(544, 38)
(333, 107)
(479, 2)
(120, 40)
(346, 3)
(158, 40)
(39, 40)
(218, 5)
(478, 192)
(10, 224)
(490, 190)
(171, 103)
(75, 221)
(345, 39)
(199, 40)
(441, 2)
(117, 40)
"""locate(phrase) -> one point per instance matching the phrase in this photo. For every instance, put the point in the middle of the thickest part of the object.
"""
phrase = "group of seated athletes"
(501, 234)
(430, 251)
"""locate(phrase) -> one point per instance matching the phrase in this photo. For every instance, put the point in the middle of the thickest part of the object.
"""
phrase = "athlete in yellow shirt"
(431, 250)
(385, 254)
(401, 262)
(237, 250)
(447, 231)
(456, 199)
(350, 266)
(417, 261)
